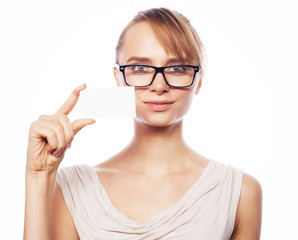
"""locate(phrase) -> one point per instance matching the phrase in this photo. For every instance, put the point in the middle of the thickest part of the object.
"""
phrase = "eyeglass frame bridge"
(121, 68)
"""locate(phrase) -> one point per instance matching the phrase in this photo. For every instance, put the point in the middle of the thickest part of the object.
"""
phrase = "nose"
(159, 84)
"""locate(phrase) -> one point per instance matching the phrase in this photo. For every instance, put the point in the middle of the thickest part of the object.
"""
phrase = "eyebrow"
(149, 61)
(176, 61)
(139, 60)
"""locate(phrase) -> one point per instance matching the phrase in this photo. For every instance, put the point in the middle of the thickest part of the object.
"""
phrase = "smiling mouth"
(159, 106)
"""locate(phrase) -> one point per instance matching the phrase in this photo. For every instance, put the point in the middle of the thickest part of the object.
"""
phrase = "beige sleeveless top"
(206, 212)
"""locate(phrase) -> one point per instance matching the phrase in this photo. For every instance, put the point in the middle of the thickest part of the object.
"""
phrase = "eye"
(176, 69)
(140, 68)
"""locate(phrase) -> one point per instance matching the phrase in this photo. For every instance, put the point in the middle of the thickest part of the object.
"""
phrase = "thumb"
(80, 123)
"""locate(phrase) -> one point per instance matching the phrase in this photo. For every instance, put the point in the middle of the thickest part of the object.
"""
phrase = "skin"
(49, 137)
(152, 173)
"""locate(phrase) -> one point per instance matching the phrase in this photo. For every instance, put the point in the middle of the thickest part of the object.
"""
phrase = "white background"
(245, 114)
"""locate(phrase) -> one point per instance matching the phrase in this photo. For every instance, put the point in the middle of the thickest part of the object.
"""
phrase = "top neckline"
(163, 212)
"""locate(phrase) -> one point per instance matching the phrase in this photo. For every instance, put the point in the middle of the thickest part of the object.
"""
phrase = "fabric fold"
(206, 211)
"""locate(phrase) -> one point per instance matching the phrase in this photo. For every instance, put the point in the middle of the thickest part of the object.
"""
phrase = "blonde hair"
(174, 32)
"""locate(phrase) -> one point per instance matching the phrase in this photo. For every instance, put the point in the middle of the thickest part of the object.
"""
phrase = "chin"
(157, 121)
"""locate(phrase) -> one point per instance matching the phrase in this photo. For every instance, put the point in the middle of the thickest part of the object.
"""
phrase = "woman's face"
(158, 104)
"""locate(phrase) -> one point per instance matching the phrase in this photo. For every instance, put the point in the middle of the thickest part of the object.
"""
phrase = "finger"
(57, 134)
(60, 137)
(77, 126)
(80, 123)
(67, 107)
(42, 131)
(60, 154)
(61, 120)
(67, 128)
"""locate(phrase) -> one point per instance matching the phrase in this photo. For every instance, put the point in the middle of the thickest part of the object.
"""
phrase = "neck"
(157, 150)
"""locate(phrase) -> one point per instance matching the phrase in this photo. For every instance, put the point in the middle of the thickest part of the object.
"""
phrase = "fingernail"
(81, 87)
(68, 145)
(58, 154)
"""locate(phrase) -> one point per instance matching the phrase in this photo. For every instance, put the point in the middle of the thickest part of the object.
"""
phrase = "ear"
(199, 85)
(116, 76)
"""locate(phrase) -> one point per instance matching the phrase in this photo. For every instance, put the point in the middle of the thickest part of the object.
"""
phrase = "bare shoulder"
(62, 225)
(251, 192)
(251, 188)
(249, 212)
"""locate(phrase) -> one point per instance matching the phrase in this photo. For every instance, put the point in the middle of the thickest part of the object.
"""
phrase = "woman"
(157, 187)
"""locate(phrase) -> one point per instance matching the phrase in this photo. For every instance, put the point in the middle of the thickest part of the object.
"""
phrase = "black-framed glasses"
(139, 75)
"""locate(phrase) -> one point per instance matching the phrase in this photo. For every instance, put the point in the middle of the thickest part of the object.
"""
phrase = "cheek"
(140, 107)
(185, 103)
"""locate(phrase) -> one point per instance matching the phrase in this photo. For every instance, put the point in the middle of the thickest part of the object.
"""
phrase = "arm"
(39, 188)
(62, 226)
(49, 137)
(249, 213)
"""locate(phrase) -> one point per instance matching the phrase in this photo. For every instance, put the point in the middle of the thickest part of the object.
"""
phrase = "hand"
(51, 135)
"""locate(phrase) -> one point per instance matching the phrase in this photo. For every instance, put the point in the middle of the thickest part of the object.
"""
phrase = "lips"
(159, 106)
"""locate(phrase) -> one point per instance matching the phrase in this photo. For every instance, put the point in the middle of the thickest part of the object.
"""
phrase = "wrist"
(41, 173)
(41, 182)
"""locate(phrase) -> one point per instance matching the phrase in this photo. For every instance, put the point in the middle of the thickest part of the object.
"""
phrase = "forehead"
(140, 41)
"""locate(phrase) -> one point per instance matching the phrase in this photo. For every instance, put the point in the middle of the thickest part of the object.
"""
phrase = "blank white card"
(108, 102)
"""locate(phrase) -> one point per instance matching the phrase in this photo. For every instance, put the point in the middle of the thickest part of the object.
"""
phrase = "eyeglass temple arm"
(117, 66)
